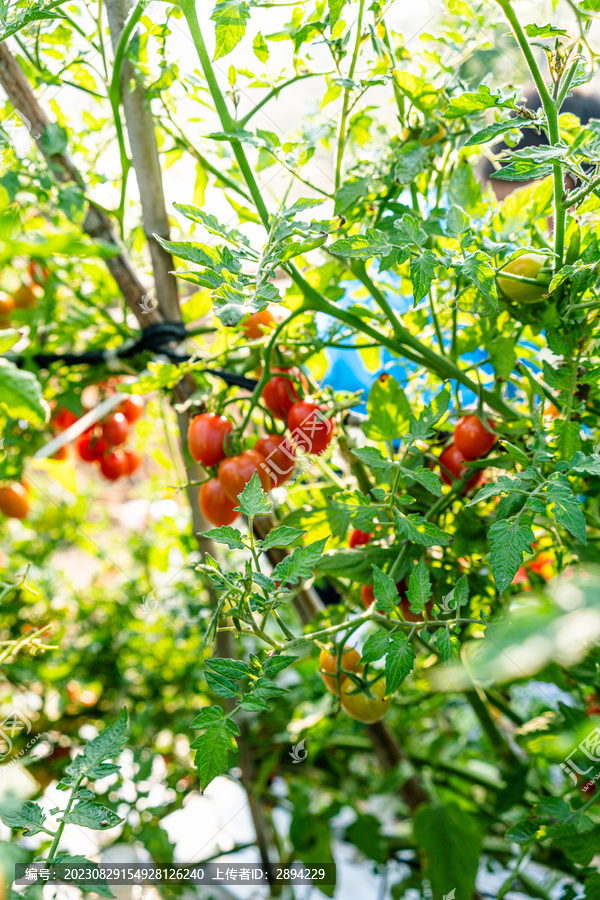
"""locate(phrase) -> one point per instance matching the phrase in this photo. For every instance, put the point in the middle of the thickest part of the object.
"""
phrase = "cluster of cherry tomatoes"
(337, 678)
(472, 440)
(273, 455)
(26, 296)
(104, 442)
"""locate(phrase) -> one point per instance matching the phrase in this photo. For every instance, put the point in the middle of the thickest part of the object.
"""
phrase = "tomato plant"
(327, 285)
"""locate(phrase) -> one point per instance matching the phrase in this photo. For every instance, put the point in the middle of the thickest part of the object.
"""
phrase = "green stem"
(274, 92)
(551, 108)
(346, 101)
(61, 827)
(229, 126)
(441, 366)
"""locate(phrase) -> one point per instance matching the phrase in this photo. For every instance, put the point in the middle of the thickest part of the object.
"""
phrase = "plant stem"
(346, 101)
(229, 126)
(551, 108)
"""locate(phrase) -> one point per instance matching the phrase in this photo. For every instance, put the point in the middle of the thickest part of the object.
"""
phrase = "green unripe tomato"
(528, 266)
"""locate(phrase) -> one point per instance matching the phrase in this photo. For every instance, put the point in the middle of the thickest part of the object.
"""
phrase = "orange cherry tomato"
(279, 454)
(472, 438)
(216, 505)
(236, 471)
(328, 667)
(25, 297)
(207, 435)
(14, 502)
(7, 305)
(360, 706)
(38, 271)
(255, 325)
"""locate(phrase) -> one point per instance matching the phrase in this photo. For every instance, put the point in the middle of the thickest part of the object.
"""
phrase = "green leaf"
(282, 537)
(420, 428)
(385, 590)
(475, 101)
(419, 587)
(566, 508)
(422, 270)
(424, 476)
(411, 160)
(362, 246)
(477, 268)
(214, 745)
(230, 17)
(54, 139)
(221, 686)
(253, 500)
(388, 410)
(491, 132)
(457, 222)
(91, 763)
(419, 531)
(522, 170)
(259, 45)
(399, 661)
(375, 646)
(91, 815)
(226, 535)
(515, 452)
(29, 817)
(230, 668)
(449, 841)
(508, 541)
(300, 564)
(566, 438)
(583, 464)
(523, 831)
(232, 305)
(448, 644)
(8, 338)
(504, 485)
(372, 457)
(21, 394)
(335, 8)
(543, 31)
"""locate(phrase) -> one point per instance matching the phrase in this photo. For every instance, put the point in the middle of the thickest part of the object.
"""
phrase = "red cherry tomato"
(472, 438)
(216, 505)
(452, 459)
(257, 324)
(115, 429)
(90, 447)
(133, 461)
(133, 408)
(309, 429)
(279, 454)
(281, 392)
(207, 434)
(367, 595)
(236, 471)
(14, 502)
(359, 538)
(63, 419)
(113, 464)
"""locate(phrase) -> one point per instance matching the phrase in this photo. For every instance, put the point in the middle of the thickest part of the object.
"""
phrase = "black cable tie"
(153, 339)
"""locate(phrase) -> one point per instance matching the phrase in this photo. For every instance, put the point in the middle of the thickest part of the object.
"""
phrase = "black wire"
(155, 339)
